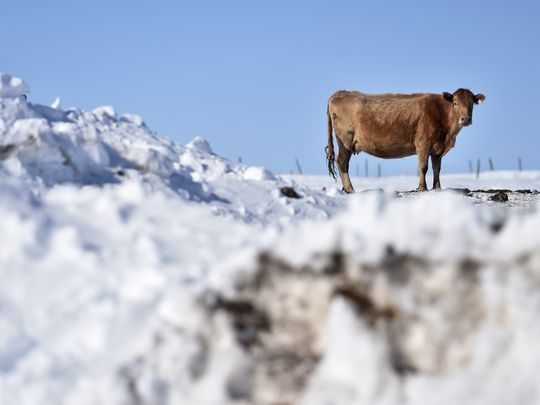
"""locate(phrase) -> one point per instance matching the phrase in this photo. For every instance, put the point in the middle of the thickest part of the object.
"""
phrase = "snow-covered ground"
(135, 270)
(525, 186)
(487, 180)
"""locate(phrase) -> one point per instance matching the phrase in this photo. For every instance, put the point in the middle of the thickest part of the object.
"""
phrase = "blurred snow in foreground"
(139, 271)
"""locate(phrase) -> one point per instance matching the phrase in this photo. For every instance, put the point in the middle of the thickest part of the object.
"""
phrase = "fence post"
(470, 166)
(490, 164)
(379, 170)
(298, 166)
(478, 168)
(366, 168)
(520, 166)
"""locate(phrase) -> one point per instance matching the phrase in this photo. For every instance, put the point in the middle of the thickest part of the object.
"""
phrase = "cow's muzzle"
(465, 121)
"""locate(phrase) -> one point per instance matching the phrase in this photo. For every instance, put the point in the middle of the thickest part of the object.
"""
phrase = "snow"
(138, 270)
(511, 180)
(258, 174)
(105, 111)
(11, 86)
(57, 103)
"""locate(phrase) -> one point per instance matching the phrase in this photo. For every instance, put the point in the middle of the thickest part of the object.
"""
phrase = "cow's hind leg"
(422, 170)
(343, 158)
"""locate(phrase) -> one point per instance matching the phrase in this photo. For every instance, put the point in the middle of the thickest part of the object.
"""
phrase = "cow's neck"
(453, 129)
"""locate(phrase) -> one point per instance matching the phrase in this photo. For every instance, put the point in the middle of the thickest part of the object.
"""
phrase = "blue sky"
(254, 77)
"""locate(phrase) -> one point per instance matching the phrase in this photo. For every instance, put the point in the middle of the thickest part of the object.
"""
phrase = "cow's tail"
(330, 156)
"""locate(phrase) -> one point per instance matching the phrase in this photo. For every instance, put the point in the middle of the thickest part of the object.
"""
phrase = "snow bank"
(136, 270)
(45, 146)
(418, 301)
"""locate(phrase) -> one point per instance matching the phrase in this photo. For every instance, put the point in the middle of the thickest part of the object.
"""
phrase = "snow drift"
(136, 270)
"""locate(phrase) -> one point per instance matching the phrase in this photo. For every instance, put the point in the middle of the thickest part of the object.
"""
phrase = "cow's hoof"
(347, 191)
(421, 189)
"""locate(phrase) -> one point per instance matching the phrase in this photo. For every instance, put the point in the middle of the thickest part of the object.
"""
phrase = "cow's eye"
(455, 104)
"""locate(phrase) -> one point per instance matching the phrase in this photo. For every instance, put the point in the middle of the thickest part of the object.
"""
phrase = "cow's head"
(462, 103)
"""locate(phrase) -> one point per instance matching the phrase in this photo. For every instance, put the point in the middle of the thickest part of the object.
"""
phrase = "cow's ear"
(447, 96)
(479, 98)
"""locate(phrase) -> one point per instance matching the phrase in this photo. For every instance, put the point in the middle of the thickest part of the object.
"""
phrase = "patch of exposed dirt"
(279, 315)
(289, 192)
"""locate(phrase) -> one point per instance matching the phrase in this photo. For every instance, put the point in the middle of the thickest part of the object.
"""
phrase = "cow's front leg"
(436, 167)
(422, 170)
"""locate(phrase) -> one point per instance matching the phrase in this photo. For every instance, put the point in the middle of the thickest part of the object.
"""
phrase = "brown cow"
(397, 125)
